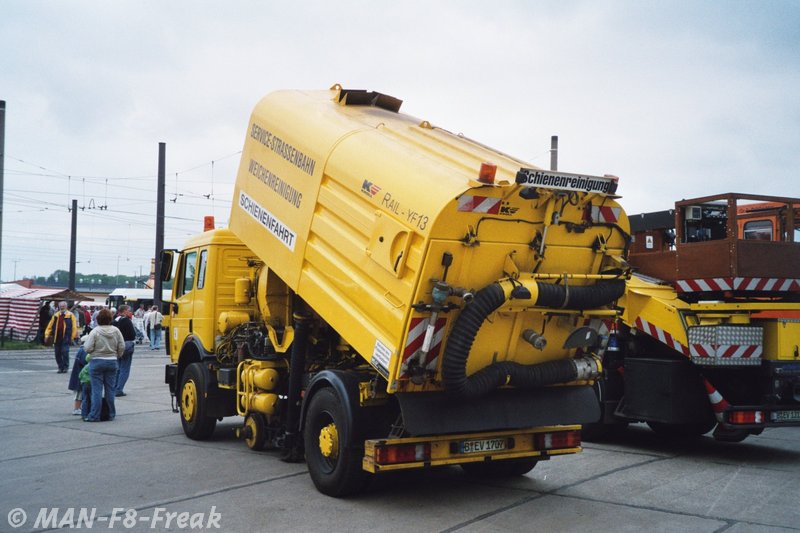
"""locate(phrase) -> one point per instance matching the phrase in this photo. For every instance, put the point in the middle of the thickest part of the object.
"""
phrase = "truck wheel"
(195, 423)
(682, 431)
(722, 434)
(256, 431)
(598, 431)
(333, 456)
(500, 469)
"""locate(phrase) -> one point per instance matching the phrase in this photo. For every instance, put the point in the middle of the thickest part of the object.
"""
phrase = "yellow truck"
(390, 295)
(709, 336)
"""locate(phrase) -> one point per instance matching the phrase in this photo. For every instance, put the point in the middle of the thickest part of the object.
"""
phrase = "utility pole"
(554, 152)
(73, 245)
(2, 171)
(161, 188)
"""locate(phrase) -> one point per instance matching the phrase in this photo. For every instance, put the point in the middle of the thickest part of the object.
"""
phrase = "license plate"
(482, 445)
(786, 416)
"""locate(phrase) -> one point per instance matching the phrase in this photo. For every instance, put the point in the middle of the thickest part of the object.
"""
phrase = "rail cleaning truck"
(390, 295)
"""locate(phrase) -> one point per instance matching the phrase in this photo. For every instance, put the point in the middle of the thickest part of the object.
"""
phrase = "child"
(86, 389)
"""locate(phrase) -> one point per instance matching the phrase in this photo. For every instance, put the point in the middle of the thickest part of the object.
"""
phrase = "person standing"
(74, 380)
(62, 329)
(45, 314)
(155, 320)
(93, 323)
(146, 322)
(87, 319)
(123, 322)
(104, 344)
(77, 310)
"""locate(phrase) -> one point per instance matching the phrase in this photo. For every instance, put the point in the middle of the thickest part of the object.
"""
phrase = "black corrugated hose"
(487, 300)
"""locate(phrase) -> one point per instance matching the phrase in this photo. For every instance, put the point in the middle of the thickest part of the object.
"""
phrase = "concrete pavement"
(141, 468)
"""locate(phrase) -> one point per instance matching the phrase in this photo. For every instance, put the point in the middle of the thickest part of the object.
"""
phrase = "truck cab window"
(758, 230)
(187, 274)
(201, 269)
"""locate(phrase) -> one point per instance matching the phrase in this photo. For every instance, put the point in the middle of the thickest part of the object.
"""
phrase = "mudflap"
(436, 413)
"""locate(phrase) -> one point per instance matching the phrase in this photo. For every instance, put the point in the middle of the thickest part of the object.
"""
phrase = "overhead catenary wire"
(104, 210)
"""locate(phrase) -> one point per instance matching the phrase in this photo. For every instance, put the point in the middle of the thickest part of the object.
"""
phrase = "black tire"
(598, 432)
(682, 431)
(192, 402)
(730, 435)
(336, 470)
(500, 469)
(256, 425)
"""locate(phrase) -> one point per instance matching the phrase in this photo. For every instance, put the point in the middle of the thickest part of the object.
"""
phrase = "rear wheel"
(500, 469)
(333, 454)
(193, 407)
(598, 431)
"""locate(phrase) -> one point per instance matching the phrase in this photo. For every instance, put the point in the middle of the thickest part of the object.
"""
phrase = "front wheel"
(333, 455)
(500, 469)
(196, 424)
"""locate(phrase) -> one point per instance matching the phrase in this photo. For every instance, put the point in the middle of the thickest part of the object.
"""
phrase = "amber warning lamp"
(488, 171)
(208, 223)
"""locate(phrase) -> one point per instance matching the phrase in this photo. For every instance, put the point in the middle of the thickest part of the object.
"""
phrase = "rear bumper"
(449, 449)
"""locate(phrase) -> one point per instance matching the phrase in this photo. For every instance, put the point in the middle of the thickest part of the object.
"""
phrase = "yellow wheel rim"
(329, 441)
(251, 424)
(188, 400)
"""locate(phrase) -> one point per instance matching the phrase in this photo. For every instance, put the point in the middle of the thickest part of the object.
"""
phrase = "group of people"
(103, 362)
(151, 321)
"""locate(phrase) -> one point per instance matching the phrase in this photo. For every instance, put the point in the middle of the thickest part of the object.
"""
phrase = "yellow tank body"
(356, 208)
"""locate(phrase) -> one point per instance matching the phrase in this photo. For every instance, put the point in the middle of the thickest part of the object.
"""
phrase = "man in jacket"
(154, 320)
(63, 327)
(124, 323)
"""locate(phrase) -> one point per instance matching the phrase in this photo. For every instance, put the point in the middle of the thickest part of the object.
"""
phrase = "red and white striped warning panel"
(660, 334)
(718, 403)
(738, 284)
(602, 213)
(479, 204)
(726, 345)
(416, 338)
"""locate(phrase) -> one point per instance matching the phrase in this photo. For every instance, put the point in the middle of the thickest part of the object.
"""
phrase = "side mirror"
(167, 257)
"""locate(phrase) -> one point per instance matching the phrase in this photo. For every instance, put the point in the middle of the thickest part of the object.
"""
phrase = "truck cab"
(203, 291)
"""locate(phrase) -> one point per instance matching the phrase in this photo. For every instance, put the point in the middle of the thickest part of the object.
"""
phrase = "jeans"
(125, 365)
(62, 355)
(155, 338)
(104, 379)
(86, 400)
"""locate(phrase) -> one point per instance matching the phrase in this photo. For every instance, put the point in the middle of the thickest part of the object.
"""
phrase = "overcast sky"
(678, 99)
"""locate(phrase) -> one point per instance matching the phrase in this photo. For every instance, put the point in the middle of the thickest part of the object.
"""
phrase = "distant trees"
(60, 278)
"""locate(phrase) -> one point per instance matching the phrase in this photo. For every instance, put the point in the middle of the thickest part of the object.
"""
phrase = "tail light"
(746, 417)
(402, 453)
(557, 439)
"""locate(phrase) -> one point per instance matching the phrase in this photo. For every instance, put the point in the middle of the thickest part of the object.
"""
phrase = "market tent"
(19, 308)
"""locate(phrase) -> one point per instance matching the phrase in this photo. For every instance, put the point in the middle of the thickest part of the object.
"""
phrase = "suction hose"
(487, 301)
